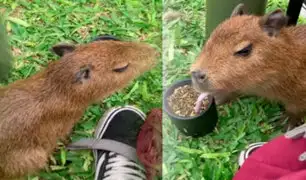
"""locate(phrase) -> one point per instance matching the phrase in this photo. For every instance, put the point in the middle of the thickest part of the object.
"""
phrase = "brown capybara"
(37, 111)
(256, 55)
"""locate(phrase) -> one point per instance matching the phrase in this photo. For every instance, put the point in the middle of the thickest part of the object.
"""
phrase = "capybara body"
(256, 55)
(36, 112)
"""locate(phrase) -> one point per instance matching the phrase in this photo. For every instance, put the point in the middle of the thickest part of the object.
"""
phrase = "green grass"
(37, 25)
(245, 121)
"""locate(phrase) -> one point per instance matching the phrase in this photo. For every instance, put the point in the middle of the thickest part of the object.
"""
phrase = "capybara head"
(100, 67)
(242, 54)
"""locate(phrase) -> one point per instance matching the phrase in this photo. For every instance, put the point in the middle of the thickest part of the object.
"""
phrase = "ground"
(34, 26)
(245, 121)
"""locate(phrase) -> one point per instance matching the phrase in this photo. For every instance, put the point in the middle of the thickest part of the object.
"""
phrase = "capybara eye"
(106, 37)
(244, 51)
(121, 69)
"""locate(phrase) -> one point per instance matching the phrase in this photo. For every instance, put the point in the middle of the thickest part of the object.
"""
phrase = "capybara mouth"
(200, 87)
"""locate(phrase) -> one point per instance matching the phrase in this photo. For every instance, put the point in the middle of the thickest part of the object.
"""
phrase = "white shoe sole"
(246, 153)
(303, 11)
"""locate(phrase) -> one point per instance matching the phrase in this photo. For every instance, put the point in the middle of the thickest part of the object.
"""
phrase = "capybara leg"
(223, 98)
(294, 121)
(296, 117)
(22, 178)
(19, 163)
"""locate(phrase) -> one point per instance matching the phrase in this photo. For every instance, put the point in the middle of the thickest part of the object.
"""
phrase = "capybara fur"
(36, 112)
(256, 55)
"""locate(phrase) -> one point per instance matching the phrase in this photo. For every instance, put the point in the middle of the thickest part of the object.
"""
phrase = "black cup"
(195, 126)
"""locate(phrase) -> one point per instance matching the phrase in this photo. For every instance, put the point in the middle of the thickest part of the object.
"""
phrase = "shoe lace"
(119, 167)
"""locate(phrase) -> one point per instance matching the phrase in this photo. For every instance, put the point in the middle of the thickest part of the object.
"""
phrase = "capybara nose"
(106, 37)
(199, 75)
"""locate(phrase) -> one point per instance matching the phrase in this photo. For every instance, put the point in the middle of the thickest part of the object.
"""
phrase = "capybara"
(36, 112)
(256, 55)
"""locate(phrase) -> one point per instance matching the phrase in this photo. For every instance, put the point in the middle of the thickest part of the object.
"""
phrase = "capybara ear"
(239, 10)
(273, 22)
(63, 48)
(83, 74)
(106, 37)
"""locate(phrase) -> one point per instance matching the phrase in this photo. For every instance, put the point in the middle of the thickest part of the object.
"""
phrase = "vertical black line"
(293, 11)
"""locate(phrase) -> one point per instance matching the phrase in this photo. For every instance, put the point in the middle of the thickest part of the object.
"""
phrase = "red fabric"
(276, 160)
(149, 144)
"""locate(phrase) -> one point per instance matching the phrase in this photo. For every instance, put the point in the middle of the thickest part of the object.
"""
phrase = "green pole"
(5, 54)
(219, 10)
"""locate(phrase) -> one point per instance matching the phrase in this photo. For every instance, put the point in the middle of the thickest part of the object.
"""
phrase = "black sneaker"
(248, 151)
(123, 125)
(114, 146)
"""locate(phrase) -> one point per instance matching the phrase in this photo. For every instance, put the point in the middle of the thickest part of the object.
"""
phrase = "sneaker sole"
(303, 10)
(246, 153)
